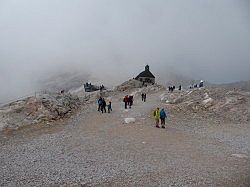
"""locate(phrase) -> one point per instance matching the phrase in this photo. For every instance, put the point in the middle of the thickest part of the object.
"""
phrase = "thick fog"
(112, 40)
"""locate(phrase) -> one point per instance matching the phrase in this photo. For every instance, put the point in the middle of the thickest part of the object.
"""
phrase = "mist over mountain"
(63, 42)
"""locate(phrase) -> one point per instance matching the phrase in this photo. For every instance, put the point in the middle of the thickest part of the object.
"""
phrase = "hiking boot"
(163, 127)
(157, 126)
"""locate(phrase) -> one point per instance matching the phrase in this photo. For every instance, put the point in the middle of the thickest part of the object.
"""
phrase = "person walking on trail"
(109, 107)
(130, 101)
(157, 117)
(99, 102)
(103, 106)
(163, 116)
(142, 97)
(125, 100)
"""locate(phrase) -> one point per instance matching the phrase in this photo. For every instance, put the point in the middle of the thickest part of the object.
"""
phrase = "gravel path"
(95, 149)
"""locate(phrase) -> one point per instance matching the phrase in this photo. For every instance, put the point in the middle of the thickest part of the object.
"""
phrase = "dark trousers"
(99, 107)
(103, 108)
(163, 121)
(109, 109)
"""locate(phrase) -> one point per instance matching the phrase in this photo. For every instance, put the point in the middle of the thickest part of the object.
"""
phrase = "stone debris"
(212, 103)
(128, 85)
(40, 109)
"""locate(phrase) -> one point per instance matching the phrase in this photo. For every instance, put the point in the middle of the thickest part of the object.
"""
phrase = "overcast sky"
(115, 39)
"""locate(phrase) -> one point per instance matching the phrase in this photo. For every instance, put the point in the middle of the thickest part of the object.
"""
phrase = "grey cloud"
(113, 39)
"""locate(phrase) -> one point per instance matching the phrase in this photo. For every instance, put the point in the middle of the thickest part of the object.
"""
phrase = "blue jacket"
(163, 114)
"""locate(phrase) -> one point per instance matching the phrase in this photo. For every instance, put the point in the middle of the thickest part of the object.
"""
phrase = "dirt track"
(96, 149)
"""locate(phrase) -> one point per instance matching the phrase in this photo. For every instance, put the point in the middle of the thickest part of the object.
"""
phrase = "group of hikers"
(128, 101)
(102, 87)
(102, 105)
(201, 84)
(159, 115)
(172, 88)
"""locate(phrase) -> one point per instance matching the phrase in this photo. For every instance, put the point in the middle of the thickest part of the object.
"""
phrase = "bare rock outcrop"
(40, 109)
(211, 103)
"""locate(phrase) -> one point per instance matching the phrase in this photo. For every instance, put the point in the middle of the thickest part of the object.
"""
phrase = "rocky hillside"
(40, 109)
(212, 103)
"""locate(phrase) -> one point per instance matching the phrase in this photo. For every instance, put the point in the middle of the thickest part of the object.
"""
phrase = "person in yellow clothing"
(157, 117)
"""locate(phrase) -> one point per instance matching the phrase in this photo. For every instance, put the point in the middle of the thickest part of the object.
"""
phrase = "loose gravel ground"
(94, 149)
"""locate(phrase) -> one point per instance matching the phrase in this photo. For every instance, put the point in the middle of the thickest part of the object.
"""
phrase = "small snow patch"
(240, 156)
(129, 120)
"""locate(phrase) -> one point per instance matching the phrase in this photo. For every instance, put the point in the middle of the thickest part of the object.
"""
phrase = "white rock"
(207, 100)
(129, 120)
(206, 96)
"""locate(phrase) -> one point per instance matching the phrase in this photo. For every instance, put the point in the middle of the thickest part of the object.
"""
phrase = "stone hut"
(146, 77)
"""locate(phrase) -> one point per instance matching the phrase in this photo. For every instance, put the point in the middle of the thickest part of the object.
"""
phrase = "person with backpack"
(125, 100)
(103, 106)
(142, 96)
(130, 101)
(157, 117)
(99, 102)
(163, 116)
(109, 107)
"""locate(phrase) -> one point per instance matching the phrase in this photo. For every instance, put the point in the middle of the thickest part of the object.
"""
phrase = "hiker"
(157, 117)
(103, 106)
(163, 116)
(142, 96)
(125, 100)
(99, 102)
(201, 84)
(109, 107)
(180, 88)
(130, 101)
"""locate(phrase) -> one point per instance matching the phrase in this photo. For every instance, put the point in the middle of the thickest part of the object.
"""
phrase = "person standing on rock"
(99, 102)
(157, 117)
(163, 116)
(103, 106)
